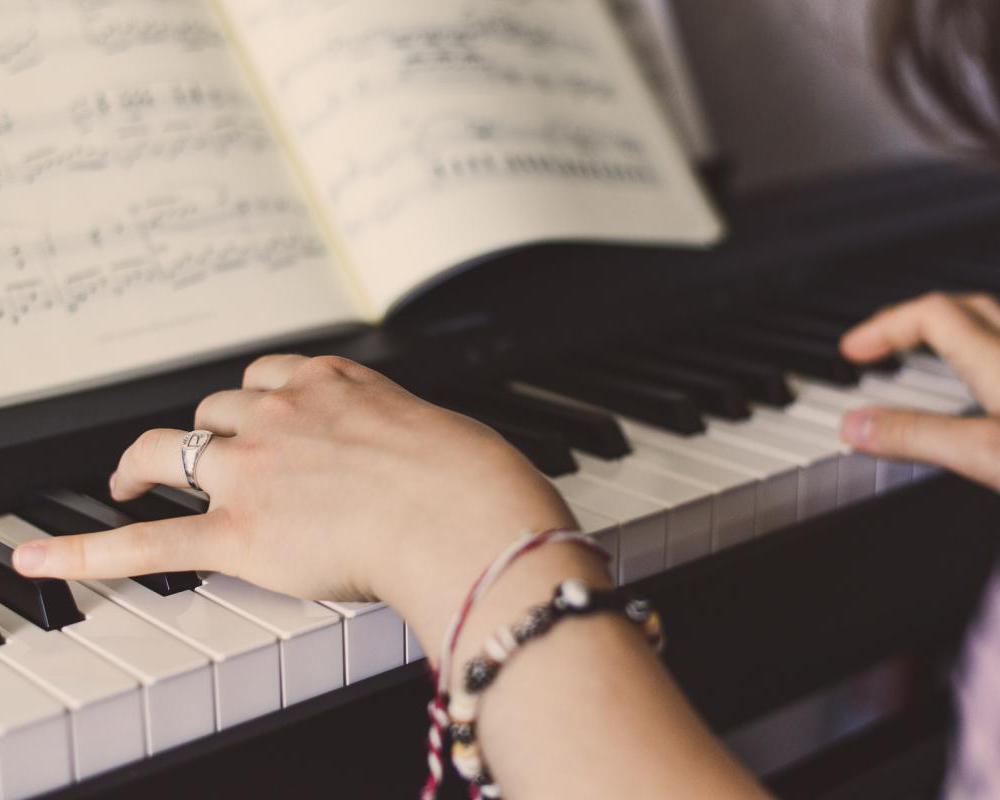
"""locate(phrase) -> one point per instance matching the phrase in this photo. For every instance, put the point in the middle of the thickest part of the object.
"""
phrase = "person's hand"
(965, 331)
(327, 481)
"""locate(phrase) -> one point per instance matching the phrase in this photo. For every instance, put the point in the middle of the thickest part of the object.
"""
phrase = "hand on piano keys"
(965, 331)
(666, 454)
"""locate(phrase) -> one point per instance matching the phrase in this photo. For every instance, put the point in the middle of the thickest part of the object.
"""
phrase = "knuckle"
(327, 366)
(276, 405)
(146, 446)
(938, 303)
(204, 408)
(255, 366)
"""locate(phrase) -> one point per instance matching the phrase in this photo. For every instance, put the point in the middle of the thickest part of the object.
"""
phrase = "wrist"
(433, 590)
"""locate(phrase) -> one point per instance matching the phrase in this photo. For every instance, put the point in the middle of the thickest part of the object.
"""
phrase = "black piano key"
(641, 400)
(815, 329)
(59, 520)
(585, 429)
(720, 396)
(762, 382)
(816, 359)
(47, 603)
(549, 452)
(150, 507)
(847, 309)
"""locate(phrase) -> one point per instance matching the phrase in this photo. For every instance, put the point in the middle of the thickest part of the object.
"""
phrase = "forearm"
(590, 712)
(587, 710)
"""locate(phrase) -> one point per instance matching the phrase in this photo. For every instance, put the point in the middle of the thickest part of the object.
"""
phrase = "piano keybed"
(667, 449)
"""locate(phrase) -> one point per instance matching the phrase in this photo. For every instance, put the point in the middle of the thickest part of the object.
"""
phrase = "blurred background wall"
(789, 87)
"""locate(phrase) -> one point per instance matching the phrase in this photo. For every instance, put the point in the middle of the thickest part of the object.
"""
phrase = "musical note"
(116, 26)
(20, 37)
(118, 128)
(453, 149)
(164, 243)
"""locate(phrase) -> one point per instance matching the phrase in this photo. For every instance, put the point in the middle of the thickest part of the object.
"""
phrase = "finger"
(226, 413)
(984, 306)
(323, 367)
(155, 458)
(188, 543)
(271, 372)
(970, 447)
(941, 322)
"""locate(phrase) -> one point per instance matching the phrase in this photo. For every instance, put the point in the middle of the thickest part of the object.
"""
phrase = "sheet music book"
(184, 178)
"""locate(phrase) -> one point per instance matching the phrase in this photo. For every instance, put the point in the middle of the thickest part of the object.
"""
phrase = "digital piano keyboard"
(687, 407)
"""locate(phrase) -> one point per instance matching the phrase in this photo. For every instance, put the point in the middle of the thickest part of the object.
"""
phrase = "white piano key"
(926, 362)
(106, 712)
(897, 394)
(310, 636)
(176, 680)
(245, 658)
(642, 523)
(414, 651)
(858, 472)
(934, 382)
(872, 391)
(777, 478)
(776, 502)
(603, 530)
(891, 474)
(819, 465)
(689, 520)
(35, 739)
(829, 403)
(374, 639)
(734, 495)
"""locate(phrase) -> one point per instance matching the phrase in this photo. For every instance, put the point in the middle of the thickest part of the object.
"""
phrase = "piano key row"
(676, 498)
(153, 665)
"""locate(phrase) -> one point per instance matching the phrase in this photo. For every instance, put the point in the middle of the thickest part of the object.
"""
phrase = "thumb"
(968, 446)
(188, 543)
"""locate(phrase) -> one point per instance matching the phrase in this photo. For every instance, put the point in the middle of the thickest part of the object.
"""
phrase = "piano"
(685, 404)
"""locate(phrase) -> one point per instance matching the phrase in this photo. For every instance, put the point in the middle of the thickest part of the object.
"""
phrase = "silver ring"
(192, 447)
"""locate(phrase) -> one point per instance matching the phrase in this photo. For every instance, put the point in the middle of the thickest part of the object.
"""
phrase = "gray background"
(789, 89)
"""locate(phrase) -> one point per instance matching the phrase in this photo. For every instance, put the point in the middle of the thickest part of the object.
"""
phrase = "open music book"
(182, 178)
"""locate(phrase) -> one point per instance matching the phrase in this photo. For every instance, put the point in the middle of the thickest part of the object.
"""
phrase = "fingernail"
(29, 558)
(858, 427)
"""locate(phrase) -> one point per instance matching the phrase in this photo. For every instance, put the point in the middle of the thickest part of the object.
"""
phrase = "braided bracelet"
(572, 598)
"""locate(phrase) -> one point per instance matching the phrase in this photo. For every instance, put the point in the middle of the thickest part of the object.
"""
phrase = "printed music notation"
(20, 36)
(115, 26)
(442, 95)
(453, 149)
(106, 26)
(166, 243)
(485, 49)
(127, 125)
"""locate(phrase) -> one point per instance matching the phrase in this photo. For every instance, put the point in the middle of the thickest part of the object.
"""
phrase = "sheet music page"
(652, 32)
(436, 131)
(146, 213)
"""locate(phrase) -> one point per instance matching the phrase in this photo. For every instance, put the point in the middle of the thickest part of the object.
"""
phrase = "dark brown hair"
(940, 60)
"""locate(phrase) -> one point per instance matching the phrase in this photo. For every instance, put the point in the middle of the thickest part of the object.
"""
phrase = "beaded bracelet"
(572, 598)
(437, 708)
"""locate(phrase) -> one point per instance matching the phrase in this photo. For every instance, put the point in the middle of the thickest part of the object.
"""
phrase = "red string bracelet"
(438, 707)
